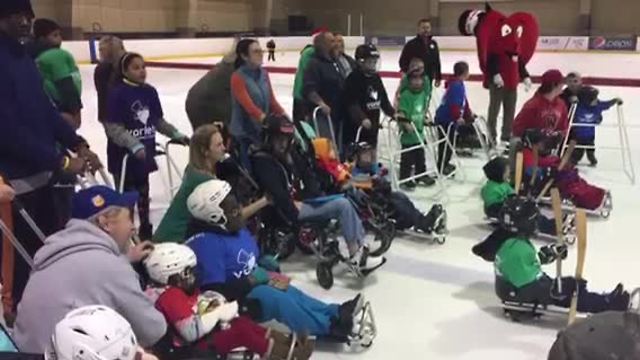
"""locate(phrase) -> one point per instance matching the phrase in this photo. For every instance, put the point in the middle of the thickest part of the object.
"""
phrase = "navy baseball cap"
(88, 202)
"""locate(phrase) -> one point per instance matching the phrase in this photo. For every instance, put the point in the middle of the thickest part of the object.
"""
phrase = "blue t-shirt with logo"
(137, 108)
(224, 257)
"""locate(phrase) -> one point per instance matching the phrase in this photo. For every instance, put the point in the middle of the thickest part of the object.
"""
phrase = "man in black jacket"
(423, 47)
(323, 83)
(31, 135)
(276, 173)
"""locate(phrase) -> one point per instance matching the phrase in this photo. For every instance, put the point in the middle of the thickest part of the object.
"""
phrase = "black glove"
(551, 253)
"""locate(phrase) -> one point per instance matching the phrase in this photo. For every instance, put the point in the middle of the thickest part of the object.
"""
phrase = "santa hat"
(469, 20)
(11, 7)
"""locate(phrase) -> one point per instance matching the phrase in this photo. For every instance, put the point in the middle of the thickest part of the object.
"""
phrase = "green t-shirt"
(494, 193)
(517, 262)
(414, 107)
(173, 226)
(56, 64)
(305, 57)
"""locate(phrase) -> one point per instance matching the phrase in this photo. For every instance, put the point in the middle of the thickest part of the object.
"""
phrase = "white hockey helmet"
(204, 202)
(92, 333)
(168, 259)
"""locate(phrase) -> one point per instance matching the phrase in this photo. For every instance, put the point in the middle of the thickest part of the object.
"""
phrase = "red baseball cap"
(552, 77)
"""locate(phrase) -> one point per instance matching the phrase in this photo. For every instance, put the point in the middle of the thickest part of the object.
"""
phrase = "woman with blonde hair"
(206, 150)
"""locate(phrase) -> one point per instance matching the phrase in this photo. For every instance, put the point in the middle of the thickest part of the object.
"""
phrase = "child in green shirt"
(518, 266)
(413, 104)
(60, 73)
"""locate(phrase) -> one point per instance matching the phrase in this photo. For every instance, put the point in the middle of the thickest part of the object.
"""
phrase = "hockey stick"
(563, 163)
(581, 222)
(519, 171)
(557, 214)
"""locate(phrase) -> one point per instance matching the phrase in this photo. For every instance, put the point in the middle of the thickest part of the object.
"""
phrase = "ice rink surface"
(437, 301)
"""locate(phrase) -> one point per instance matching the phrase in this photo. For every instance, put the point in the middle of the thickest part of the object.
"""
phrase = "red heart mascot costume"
(505, 45)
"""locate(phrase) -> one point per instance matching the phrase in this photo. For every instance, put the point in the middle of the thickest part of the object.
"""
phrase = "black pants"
(413, 159)
(142, 187)
(444, 151)
(544, 291)
(578, 153)
(404, 211)
(38, 204)
(272, 55)
(299, 110)
(63, 191)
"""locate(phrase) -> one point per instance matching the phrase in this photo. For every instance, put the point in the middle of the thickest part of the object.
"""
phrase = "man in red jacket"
(545, 110)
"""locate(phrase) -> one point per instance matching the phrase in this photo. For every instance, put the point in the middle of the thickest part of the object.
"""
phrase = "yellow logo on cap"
(98, 201)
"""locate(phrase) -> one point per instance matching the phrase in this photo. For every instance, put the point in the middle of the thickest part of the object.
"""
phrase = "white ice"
(437, 302)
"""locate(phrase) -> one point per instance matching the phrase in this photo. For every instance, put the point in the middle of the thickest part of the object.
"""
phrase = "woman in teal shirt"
(206, 150)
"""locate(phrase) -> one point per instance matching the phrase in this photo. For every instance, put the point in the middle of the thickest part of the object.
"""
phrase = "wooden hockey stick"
(563, 163)
(581, 222)
(519, 172)
(556, 203)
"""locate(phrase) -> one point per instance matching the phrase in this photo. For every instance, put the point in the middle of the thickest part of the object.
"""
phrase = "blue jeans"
(341, 209)
(300, 312)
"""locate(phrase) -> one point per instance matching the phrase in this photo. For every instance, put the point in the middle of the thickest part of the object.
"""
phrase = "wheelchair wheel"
(324, 273)
(384, 237)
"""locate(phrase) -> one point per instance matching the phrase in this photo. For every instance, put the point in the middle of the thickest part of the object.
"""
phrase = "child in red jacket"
(568, 181)
(206, 322)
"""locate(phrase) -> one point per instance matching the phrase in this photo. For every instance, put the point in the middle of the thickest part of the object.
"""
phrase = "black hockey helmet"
(587, 94)
(494, 170)
(520, 215)
(366, 51)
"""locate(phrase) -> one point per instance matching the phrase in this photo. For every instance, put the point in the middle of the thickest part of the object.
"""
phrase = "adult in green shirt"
(206, 150)
(60, 73)
(518, 266)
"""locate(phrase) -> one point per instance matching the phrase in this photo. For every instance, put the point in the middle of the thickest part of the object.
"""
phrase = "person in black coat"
(279, 174)
(106, 73)
(323, 84)
(423, 47)
(365, 97)
(34, 140)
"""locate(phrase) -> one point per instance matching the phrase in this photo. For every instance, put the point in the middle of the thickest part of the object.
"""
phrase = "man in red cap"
(545, 110)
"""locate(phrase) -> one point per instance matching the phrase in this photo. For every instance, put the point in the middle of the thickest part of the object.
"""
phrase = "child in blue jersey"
(454, 111)
(588, 112)
(229, 262)
(135, 114)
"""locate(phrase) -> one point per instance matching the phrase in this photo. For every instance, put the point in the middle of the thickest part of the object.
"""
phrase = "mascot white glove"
(527, 84)
(498, 81)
